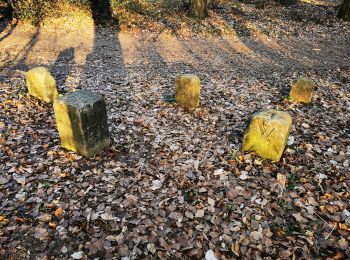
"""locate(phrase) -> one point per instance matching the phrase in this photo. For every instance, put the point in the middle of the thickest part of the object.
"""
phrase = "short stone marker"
(81, 119)
(41, 84)
(187, 90)
(302, 90)
(267, 134)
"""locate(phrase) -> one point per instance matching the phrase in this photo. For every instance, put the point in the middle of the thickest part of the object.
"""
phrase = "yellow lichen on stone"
(267, 134)
(41, 84)
(187, 90)
(302, 90)
(65, 126)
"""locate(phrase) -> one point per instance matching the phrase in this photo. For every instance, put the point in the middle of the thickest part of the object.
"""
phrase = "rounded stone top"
(273, 115)
(187, 77)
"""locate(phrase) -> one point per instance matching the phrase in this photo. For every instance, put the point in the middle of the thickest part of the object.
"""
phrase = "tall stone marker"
(267, 134)
(302, 90)
(81, 118)
(41, 84)
(187, 90)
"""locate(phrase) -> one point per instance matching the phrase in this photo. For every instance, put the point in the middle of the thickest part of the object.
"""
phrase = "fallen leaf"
(189, 214)
(257, 235)
(210, 255)
(218, 172)
(41, 233)
(343, 243)
(243, 175)
(235, 249)
(52, 225)
(59, 213)
(156, 185)
(344, 227)
(298, 217)
(281, 178)
(107, 216)
(199, 213)
(151, 248)
(64, 249)
(21, 179)
(77, 255)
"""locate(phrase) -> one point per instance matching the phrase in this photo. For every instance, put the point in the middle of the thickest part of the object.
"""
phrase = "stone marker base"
(41, 84)
(302, 90)
(267, 134)
(187, 90)
(81, 118)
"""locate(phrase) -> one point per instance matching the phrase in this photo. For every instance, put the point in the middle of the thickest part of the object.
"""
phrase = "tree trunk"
(199, 8)
(344, 10)
(6, 10)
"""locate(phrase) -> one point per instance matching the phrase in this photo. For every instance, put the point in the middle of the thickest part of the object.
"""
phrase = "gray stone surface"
(81, 118)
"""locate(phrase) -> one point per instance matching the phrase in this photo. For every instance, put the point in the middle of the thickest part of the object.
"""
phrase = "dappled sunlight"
(21, 49)
(5, 32)
(42, 45)
(273, 53)
(224, 137)
(320, 2)
(171, 50)
(51, 42)
(262, 37)
(203, 51)
(131, 45)
(231, 37)
(234, 43)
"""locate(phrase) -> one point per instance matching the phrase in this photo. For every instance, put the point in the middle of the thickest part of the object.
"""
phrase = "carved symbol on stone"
(265, 130)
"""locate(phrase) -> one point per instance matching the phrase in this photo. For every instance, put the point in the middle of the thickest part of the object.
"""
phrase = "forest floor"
(174, 183)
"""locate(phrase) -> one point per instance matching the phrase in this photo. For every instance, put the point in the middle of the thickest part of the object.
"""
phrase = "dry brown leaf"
(59, 213)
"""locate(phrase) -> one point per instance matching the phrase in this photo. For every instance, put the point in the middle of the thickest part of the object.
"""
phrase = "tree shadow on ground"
(18, 61)
(101, 11)
(62, 67)
(12, 27)
(104, 65)
(159, 68)
(104, 71)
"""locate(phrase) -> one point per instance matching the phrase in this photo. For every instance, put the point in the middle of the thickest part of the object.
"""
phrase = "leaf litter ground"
(174, 183)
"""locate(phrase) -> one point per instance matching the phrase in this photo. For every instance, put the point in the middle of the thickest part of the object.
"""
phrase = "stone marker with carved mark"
(187, 90)
(267, 134)
(302, 90)
(41, 84)
(81, 118)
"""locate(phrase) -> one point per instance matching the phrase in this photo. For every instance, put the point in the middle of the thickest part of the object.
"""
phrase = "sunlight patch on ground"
(322, 2)
(63, 34)
(262, 37)
(130, 44)
(43, 45)
(237, 45)
(171, 49)
(231, 37)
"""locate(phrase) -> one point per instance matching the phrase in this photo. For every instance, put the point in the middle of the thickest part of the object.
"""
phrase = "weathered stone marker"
(187, 90)
(41, 84)
(302, 90)
(81, 118)
(267, 134)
